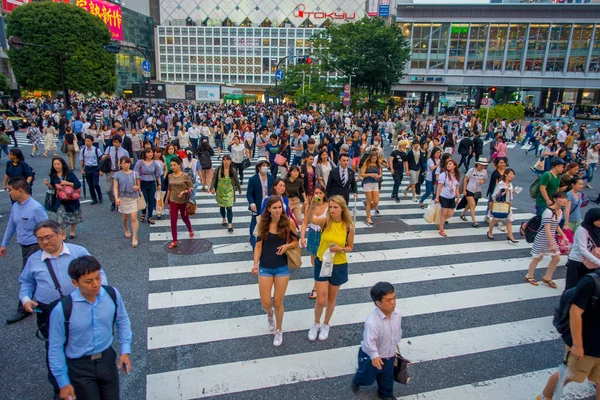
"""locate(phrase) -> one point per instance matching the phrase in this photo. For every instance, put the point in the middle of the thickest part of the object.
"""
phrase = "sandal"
(143, 218)
(475, 224)
(463, 218)
(531, 281)
(191, 234)
(127, 234)
(134, 244)
(173, 244)
(224, 223)
(550, 283)
(313, 294)
(151, 221)
(369, 222)
(443, 233)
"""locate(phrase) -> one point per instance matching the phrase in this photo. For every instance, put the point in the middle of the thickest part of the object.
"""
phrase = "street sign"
(346, 102)
(291, 55)
(485, 102)
(347, 86)
(279, 74)
(146, 66)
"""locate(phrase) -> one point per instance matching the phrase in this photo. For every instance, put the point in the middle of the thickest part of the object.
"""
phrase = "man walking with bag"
(381, 336)
(89, 156)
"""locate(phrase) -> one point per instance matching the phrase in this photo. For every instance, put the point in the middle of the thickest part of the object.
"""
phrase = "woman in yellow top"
(337, 235)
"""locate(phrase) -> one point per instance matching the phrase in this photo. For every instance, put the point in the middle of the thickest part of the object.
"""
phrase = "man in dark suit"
(341, 180)
(259, 187)
(126, 140)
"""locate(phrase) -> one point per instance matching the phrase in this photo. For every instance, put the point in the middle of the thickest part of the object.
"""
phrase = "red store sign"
(300, 12)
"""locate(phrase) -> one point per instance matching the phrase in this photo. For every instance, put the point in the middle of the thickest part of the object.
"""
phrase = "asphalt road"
(473, 328)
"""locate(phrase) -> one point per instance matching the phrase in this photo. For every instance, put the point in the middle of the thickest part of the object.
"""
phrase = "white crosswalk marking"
(447, 278)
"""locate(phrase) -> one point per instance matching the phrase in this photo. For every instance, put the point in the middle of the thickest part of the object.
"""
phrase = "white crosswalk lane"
(191, 382)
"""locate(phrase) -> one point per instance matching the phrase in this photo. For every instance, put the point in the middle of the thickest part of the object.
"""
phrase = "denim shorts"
(312, 241)
(274, 272)
(338, 277)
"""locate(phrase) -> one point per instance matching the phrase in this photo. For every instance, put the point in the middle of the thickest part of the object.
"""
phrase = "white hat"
(482, 161)
(262, 160)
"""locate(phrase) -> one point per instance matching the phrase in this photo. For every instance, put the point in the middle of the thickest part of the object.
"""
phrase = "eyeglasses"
(46, 238)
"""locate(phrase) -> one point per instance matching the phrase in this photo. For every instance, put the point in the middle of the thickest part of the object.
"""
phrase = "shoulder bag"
(401, 368)
(141, 202)
(294, 256)
(500, 208)
(67, 193)
(191, 205)
(246, 163)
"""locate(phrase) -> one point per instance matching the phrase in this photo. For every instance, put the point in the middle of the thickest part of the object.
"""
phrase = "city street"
(473, 328)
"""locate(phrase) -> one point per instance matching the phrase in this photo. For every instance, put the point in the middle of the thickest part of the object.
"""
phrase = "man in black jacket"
(477, 149)
(465, 149)
(341, 180)
(127, 145)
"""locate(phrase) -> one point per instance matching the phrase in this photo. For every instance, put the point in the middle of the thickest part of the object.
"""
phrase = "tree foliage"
(373, 53)
(316, 88)
(71, 30)
(4, 85)
(508, 111)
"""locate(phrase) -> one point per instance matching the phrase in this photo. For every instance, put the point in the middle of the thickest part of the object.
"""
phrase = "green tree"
(316, 87)
(373, 53)
(503, 111)
(71, 30)
(4, 85)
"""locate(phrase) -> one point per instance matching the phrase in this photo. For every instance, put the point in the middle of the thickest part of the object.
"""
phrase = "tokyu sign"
(301, 12)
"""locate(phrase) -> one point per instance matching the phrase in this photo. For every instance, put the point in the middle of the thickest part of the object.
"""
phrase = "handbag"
(64, 147)
(191, 206)
(401, 368)
(4, 139)
(280, 160)
(67, 193)
(141, 202)
(105, 166)
(500, 209)
(327, 264)
(50, 203)
(294, 257)
(245, 163)
(75, 146)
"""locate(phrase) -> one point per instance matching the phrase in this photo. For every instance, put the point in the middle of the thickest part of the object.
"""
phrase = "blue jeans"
(3, 147)
(148, 189)
(367, 374)
(428, 191)
(590, 172)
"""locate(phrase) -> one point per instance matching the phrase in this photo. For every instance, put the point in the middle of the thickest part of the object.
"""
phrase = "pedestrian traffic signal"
(493, 90)
(304, 60)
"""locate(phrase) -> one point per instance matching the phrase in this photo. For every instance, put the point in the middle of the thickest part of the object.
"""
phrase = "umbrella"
(354, 211)
(84, 191)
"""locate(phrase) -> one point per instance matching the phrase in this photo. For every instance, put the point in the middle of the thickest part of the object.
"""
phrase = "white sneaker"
(312, 332)
(324, 332)
(271, 321)
(415, 199)
(278, 339)
(501, 227)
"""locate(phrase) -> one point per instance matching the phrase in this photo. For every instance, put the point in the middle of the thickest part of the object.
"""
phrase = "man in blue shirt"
(85, 367)
(45, 274)
(77, 127)
(89, 157)
(114, 152)
(26, 212)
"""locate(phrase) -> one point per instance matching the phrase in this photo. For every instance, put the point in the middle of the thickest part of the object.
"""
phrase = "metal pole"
(303, 73)
(487, 113)
(62, 80)
(350, 98)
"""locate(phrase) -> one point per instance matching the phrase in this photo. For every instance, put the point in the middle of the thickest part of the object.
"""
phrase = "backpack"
(561, 315)
(531, 228)
(534, 189)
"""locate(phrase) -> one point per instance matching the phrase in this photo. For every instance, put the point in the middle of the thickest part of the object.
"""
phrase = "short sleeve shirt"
(590, 318)
(552, 183)
(449, 185)
(475, 177)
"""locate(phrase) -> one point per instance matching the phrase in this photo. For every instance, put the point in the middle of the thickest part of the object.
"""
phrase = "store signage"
(384, 8)
(208, 93)
(435, 79)
(109, 12)
(372, 8)
(9, 5)
(300, 12)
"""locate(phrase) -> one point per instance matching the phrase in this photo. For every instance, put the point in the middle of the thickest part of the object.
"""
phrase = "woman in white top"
(184, 138)
(323, 168)
(474, 180)
(237, 152)
(592, 161)
(587, 239)
(447, 192)
(505, 188)
(312, 241)
(50, 133)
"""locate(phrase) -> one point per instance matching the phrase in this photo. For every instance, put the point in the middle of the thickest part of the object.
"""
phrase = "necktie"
(117, 164)
(343, 177)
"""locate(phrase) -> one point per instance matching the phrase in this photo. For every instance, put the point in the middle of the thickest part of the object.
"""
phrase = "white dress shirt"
(382, 334)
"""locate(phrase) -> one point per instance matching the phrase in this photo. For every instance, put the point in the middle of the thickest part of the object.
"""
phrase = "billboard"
(140, 91)
(372, 8)
(176, 92)
(110, 13)
(208, 93)
(384, 8)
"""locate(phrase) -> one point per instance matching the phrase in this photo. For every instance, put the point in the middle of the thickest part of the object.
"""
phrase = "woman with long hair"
(72, 147)
(337, 236)
(180, 186)
(592, 162)
(472, 185)
(323, 167)
(285, 152)
(500, 166)
(447, 192)
(69, 213)
(106, 136)
(96, 134)
(545, 241)
(432, 164)
(276, 234)
(50, 133)
(313, 239)
(307, 173)
(504, 189)
(573, 207)
(371, 172)
(127, 189)
(224, 183)
(295, 190)
(587, 239)
(150, 174)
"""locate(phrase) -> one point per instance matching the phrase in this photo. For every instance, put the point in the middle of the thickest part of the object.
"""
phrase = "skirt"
(128, 206)
(65, 218)
(49, 143)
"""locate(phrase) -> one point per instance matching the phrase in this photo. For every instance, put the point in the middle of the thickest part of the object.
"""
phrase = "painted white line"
(183, 298)
(85, 201)
(511, 145)
(517, 387)
(263, 373)
(241, 224)
(226, 329)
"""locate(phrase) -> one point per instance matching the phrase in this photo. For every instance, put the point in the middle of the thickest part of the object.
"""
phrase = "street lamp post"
(16, 43)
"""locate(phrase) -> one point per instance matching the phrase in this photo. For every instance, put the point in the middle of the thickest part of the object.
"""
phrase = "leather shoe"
(379, 396)
(355, 388)
(100, 200)
(17, 317)
(93, 202)
(113, 206)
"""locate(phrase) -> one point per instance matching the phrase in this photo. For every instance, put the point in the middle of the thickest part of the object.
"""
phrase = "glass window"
(580, 44)
(177, 40)
(420, 46)
(439, 44)
(192, 41)
(225, 41)
(184, 41)
(163, 77)
(516, 46)
(559, 41)
(225, 51)
(163, 58)
(178, 59)
(478, 38)
(171, 77)
(162, 40)
(458, 45)
(265, 42)
(169, 40)
(498, 33)
(595, 60)
(299, 43)
(536, 46)
(177, 50)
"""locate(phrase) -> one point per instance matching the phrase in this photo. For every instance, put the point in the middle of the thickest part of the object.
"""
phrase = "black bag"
(50, 203)
(246, 163)
(105, 166)
(64, 147)
(401, 369)
(530, 228)
(561, 315)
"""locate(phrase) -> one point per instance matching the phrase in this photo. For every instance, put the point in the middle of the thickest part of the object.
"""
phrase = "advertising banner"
(176, 92)
(208, 93)
(384, 8)
(372, 8)
(140, 91)
(190, 92)
(110, 13)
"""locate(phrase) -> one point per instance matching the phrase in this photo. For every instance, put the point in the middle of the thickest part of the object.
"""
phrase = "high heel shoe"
(490, 237)
(512, 240)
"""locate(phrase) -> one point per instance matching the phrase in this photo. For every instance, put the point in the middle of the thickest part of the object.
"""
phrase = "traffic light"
(304, 60)
(493, 90)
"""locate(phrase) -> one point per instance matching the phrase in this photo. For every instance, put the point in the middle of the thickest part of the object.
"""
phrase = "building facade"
(540, 54)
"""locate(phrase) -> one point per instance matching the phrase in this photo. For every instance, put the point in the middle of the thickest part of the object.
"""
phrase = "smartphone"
(125, 369)
(317, 199)
(332, 245)
(36, 310)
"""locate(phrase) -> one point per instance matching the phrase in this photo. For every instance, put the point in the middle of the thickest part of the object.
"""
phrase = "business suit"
(335, 187)
(254, 195)
(127, 145)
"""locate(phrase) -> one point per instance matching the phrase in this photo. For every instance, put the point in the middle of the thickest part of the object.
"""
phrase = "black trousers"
(26, 252)
(43, 324)
(95, 379)
(92, 177)
(464, 160)
(14, 138)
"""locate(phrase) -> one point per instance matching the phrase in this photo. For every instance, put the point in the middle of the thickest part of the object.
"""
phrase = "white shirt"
(381, 334)
(561, 136)
(474, 183)
(583, 246)
(194, 132)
